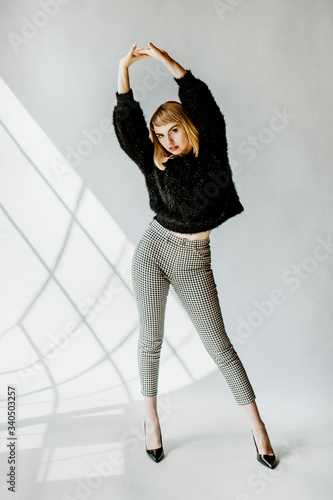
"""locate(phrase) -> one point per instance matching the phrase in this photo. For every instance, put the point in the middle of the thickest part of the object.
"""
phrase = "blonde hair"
(172, 111)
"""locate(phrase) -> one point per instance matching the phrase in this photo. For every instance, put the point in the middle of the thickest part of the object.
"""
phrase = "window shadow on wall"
(69, 323)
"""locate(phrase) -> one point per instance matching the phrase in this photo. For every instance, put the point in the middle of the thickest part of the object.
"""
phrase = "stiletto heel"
(267, 460)
(157, 454)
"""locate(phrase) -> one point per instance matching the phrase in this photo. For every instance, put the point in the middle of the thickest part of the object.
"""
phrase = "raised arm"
(202, 109)
(196, 99)
(124, 63)
(128, 118)
(123, 78)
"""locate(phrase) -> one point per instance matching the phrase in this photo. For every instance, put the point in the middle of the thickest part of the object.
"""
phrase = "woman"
(183, 157)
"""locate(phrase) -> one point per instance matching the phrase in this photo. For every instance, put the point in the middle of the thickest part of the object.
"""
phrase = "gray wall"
(261, 59)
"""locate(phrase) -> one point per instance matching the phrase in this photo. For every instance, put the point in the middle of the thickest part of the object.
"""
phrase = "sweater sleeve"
(132, 131)
(202, 109)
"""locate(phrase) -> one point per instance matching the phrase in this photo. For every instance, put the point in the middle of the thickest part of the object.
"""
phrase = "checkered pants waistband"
(177, 240)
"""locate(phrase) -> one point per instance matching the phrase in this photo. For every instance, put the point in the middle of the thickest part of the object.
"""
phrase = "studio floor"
(209, 452)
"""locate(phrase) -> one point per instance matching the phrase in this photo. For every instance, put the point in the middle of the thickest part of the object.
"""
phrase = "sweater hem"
(195, 227)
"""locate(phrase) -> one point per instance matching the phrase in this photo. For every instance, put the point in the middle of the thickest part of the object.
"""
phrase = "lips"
(174, 148)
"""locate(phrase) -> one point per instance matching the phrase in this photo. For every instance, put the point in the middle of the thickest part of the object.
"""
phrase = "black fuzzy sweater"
(193, 194)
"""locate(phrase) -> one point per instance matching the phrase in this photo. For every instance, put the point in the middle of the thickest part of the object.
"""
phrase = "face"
(172, 137)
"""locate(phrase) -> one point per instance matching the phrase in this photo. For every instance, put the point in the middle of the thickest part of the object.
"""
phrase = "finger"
(154, 48)
(140, 54)
(143, 54)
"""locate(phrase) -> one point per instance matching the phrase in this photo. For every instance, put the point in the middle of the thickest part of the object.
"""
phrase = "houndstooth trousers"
(162, 258)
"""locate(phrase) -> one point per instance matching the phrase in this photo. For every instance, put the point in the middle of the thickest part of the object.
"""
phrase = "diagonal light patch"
(66, 296)
(69, 322)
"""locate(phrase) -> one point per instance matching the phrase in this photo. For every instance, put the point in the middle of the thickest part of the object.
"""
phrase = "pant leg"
(195, 286)
(151, 287)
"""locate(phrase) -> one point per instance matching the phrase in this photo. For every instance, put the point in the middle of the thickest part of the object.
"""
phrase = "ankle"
(152, 421)
(259, 427)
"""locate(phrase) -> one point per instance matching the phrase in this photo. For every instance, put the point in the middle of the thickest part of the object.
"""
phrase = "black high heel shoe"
(157, 454)
(267, 460)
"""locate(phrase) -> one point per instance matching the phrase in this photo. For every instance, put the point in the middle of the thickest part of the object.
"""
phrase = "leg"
(196, 289)
(151, 288)
(258, 428)
(153, 439)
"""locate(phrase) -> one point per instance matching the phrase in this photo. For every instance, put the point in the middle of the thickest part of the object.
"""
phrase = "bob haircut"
(172, 111)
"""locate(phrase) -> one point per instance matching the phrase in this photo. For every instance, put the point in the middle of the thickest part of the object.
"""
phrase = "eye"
(174, 130)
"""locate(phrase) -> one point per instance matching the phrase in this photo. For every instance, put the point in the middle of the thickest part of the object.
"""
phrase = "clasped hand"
(135, 54)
